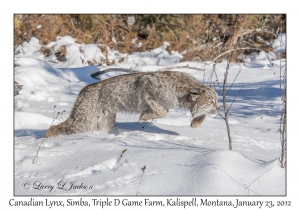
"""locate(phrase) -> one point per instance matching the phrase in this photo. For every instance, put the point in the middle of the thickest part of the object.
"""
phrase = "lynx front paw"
(197, 121)
(144, 117)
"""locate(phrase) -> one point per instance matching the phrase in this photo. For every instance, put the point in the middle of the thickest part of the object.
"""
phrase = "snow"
(25, 120)
(93, 53)
(66, 40)
(179, 160)
(131, 20)
(31, 48)
(279, 43)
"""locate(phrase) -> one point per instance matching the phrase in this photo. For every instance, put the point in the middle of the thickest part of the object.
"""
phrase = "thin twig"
(233, 82)
(260, 50)
(224, 94)
(231, 50)
(224, 102)
(143, 169)
(282, 128)
(235, 98)
(36, 155)
(262, 102)
(210, 77)
(214, 69)
(204, 73)
(260, 176)
(72, 23)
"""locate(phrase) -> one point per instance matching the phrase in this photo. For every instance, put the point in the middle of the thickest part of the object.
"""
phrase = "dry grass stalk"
(36, 155)
(121, 155)
(143, 171)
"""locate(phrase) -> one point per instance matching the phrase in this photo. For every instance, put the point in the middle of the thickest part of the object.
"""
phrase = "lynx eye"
(213, 101)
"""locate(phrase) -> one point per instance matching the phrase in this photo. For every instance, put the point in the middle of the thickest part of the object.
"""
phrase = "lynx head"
(204, 101)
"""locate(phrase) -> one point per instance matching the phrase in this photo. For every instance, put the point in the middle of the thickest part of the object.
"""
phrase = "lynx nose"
(218, 107)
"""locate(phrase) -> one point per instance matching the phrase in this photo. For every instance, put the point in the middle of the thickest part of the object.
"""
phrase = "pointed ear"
(194, 93)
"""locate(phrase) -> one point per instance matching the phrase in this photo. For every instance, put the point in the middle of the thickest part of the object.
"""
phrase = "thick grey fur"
(152, 94)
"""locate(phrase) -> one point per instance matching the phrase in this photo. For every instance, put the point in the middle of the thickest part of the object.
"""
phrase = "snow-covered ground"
(179, 160)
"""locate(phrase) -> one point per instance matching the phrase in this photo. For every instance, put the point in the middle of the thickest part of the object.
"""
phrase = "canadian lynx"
(152, 94)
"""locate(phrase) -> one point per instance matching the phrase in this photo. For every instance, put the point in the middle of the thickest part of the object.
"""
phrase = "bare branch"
(72, 23)
(262, 102)
(221, 115)
(214, 69)
(235, 98)
(224, 103)
(204, 74)
(265, 31)
(233, 82)
(231, 50)
(260, 50)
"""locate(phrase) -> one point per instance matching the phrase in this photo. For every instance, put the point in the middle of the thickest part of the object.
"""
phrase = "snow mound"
(32, 47)
(26, 120)
(93, 53)
(179, 160)
(222, 170)
(34, 73)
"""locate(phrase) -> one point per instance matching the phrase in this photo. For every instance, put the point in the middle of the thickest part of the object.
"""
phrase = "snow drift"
(179, 160)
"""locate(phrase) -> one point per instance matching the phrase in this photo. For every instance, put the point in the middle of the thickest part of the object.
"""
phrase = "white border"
(153, 6)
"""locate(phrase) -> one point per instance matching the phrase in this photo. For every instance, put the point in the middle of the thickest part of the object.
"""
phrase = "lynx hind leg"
(197, 121)
(51, 132)
(155, 111)
(106, 122)
(60, 130)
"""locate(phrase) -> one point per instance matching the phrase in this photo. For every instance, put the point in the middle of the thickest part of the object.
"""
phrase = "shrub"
(200, 35)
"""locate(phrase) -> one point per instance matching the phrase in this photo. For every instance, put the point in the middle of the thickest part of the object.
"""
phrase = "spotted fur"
(152, 94)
